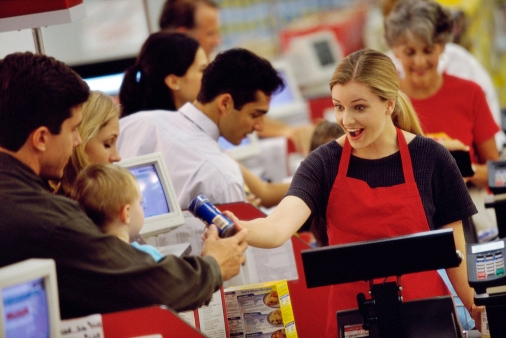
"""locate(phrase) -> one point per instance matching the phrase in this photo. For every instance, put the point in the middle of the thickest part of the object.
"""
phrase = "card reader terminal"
(485, 265)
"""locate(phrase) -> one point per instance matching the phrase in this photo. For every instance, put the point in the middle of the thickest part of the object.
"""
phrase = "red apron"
(356, 212)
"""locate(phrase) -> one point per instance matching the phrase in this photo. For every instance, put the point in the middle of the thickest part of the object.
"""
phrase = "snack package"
(261, 310)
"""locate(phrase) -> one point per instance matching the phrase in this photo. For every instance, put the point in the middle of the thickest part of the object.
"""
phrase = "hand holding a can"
(202, 208)
(228, 252)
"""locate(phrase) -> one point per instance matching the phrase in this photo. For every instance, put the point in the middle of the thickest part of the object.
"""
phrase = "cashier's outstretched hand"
(228, 252)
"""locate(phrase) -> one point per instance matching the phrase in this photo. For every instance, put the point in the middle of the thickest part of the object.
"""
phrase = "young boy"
(111, 197)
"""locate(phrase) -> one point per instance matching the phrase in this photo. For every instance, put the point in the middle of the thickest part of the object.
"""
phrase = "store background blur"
(115, 29)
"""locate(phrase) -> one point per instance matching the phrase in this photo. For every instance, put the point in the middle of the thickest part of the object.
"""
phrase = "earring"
(176, 88)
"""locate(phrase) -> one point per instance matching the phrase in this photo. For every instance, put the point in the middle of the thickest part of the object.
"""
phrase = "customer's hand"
(228, 252)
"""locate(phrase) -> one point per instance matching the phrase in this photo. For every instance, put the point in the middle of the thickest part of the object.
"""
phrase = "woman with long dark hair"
(166, 74)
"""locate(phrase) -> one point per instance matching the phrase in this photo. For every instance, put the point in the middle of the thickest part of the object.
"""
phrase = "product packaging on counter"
(261, 310)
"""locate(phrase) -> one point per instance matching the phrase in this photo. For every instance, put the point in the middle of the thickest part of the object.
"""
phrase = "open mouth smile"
(355, 133)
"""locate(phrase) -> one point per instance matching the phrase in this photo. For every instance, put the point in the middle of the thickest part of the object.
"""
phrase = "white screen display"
(109, 84)
(487, 247)
(154, 202)
(26, 310)
(283, 97)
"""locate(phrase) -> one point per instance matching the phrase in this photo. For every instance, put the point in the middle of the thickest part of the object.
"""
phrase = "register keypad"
(489, 265)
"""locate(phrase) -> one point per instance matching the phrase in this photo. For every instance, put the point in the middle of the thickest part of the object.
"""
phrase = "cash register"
(485, 268)
(485, 261)
(385, 314)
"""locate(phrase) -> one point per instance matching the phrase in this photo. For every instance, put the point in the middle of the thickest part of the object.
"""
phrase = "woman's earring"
(176, 88)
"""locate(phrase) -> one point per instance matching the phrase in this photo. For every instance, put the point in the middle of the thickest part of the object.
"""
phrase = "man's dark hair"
(35, 90)
(241, 74)
(181, 13)
(162, 54)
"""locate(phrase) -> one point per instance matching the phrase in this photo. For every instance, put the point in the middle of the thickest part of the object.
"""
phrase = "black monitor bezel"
(101, 68)
(395, 256)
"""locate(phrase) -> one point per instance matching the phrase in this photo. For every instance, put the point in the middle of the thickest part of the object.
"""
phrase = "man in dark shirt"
(40, 109)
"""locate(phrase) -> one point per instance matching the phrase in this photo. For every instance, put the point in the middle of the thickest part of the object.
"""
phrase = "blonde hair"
(97, 112)
(102, 190)
(377, 71)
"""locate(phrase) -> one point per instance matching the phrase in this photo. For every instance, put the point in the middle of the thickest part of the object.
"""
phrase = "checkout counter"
(384, 313)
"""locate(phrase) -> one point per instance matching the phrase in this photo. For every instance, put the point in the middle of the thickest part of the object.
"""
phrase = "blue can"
(202, 208)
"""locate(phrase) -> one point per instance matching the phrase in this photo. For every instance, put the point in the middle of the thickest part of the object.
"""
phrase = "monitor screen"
(324, 53)
(288, 104)
(314, 57)
(29, 299)
(249, 147)
(284, 97)
(162, 211)
(154, 202)
(105, 76)
(26, 310)
(108, 84)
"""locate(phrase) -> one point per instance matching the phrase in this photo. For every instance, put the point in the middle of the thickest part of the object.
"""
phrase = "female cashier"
(381, 179)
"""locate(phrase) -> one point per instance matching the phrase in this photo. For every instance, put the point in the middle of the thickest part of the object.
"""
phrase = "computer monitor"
(314, 57)
(393, 256)
(109, 84)
(30, 305)
(249, 147)
(162, 211)
(105, 76)
(288, 103)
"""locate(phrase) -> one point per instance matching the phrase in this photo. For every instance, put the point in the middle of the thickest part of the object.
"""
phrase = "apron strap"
(407, 166)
